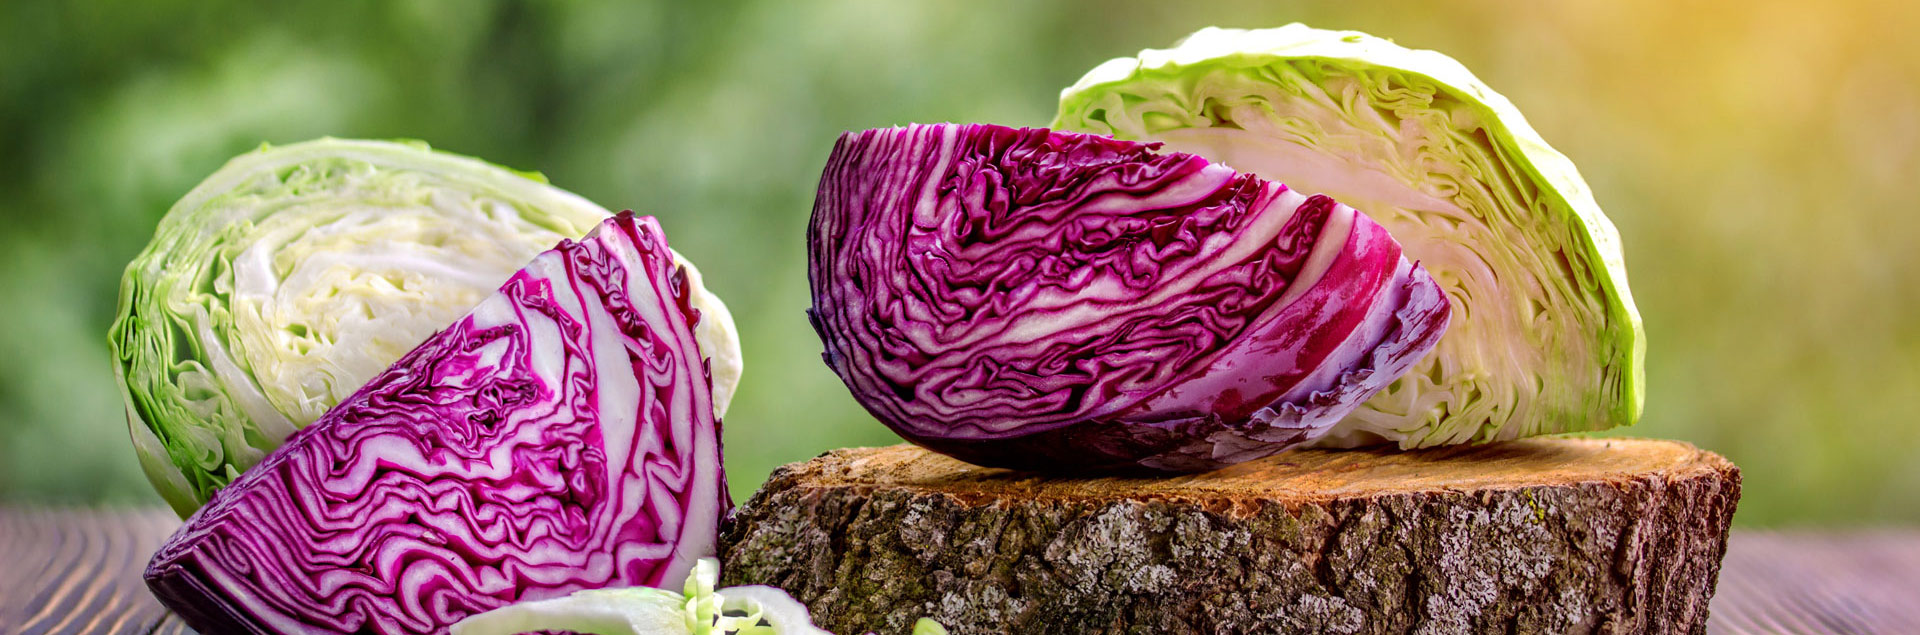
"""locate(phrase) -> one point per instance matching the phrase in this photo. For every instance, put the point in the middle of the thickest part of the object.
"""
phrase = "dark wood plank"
(77, 571)
(73, 571)
(1820, 582)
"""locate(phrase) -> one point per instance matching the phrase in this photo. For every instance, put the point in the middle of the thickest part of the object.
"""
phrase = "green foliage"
(1758, 163)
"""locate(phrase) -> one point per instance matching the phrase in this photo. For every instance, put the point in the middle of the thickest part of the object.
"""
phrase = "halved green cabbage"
(292, 275)
(1545, 337)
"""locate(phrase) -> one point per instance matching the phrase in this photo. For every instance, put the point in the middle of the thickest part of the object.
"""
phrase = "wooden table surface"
(78, 571)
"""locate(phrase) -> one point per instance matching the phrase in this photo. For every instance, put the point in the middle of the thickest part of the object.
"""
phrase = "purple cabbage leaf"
(1067, 302)
(560, 437)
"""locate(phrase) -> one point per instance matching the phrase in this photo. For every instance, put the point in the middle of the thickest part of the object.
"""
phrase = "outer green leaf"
(290, 276)
(1545, 337)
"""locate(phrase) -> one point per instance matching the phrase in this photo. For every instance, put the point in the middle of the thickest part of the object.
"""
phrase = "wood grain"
(1301, 475)
(78, 571)
(1772, 582)
(1820, 582)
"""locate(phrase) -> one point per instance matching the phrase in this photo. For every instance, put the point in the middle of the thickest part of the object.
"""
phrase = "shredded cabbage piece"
(701, 610)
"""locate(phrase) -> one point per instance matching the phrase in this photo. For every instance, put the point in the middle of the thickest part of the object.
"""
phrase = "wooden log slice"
(1532, 536)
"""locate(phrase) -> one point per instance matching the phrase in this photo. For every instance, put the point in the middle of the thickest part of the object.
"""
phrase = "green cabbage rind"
(293, 274)
(1545, 337)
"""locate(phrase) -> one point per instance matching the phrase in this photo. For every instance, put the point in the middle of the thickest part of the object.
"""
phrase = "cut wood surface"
(1542, 535)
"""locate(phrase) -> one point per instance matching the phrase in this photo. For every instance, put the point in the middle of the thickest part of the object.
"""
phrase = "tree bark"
(1532, 536)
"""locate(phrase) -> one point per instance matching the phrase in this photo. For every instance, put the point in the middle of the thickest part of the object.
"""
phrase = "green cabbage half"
(294, 274)
(1545, 337)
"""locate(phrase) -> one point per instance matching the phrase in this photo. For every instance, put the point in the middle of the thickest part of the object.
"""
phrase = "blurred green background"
(1762, 161)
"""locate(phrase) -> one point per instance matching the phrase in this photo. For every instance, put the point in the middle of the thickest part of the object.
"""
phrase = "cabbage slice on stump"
(1072, 303)
(560, 437)
(295, 273)
(1545, 338)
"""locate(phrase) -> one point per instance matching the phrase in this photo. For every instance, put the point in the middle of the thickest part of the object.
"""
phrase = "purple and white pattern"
(560, 437)
(1067, 302)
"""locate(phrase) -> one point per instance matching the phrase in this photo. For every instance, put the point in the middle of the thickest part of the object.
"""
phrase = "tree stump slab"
(1531, 536)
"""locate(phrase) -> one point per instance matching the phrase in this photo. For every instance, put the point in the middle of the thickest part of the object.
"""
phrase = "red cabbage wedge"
(560, 437)
(1073, 303)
